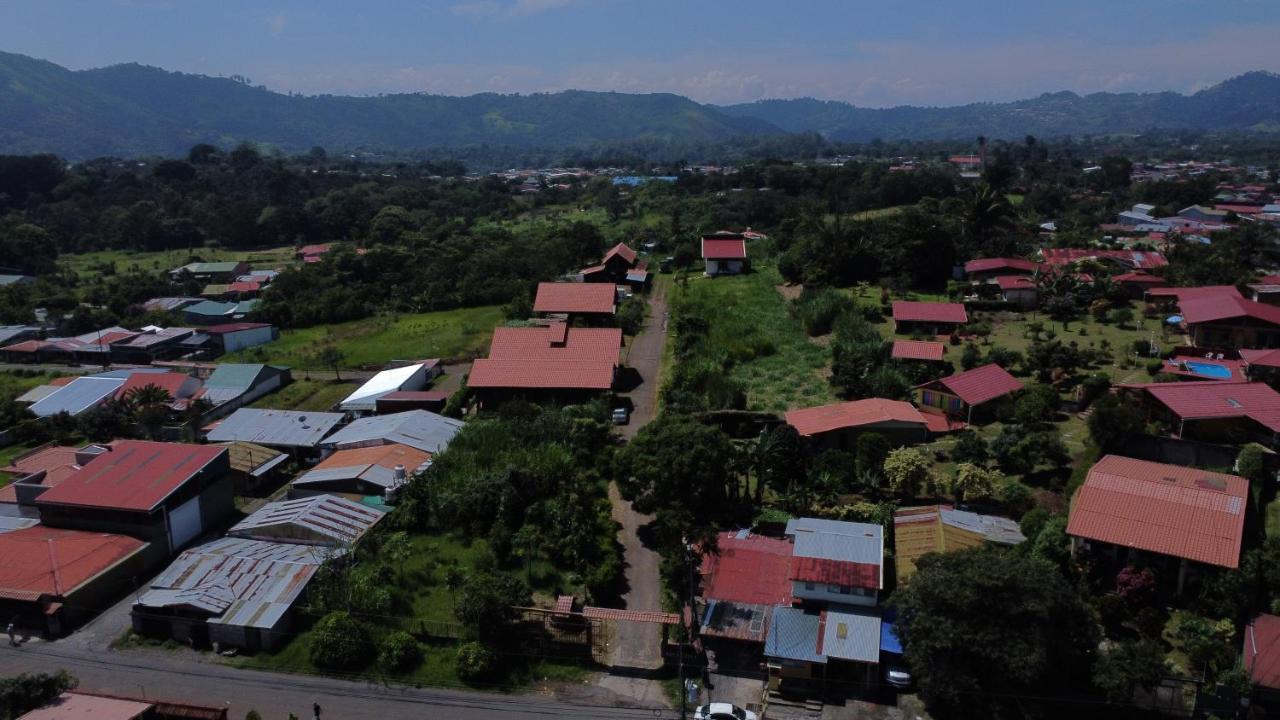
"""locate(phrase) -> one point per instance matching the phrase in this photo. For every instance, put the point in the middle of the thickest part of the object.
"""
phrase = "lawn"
(312, 395)
(13, 384)
(448, 334)
(90, 262)
(791, 370)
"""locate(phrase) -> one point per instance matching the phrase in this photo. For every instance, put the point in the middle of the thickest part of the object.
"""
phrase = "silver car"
(723, 711)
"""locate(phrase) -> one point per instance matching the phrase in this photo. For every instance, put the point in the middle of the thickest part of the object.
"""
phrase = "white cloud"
(508, 10)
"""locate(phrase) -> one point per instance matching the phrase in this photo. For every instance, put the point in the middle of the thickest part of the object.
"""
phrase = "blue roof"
(77, 396)
(793, 635)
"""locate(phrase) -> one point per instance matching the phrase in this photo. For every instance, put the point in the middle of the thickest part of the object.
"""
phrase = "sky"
(874, 54)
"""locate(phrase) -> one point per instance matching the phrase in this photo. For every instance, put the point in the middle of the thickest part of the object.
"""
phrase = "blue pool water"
(1209, 369)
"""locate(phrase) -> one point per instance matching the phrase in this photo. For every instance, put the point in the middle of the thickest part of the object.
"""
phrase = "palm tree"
(983, 212)
(149, 407)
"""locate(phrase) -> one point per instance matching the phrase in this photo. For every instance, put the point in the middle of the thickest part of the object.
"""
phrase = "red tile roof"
(245, 286)
(909, 311)
(752, 569)
(1184, 294)
(981, 265)
(169, 382)
(726, 248)
(918, 350)
(1140, 259)
(980, 384)
(856, 413)
(1262, 651)
(575, 298)
(1015, 282)
(1168, 509)
(541, 374)
(1226, 399)
(620, 250)
(1139, 277)
(1261, 358)
(1226, 307)
(835, 572)
(135, 475)
(233, 327)
(540, 343)
(41, 560)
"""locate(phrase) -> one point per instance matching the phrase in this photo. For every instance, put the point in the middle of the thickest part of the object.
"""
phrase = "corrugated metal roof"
(38, 393)
(134, 475)
(77, 396)
(725, 248)
(918, 350)
(74, 706)
(1262, 651)
(736, 621)
(793, 635)
(247, 583)
(1168, 509)
(372, 464)
(553, 297)
(851, 635)
(318, 520)
(837, 540)
(420, 429)
(279, 428)
(750, 569)
(980, 384)
(41, 560)
(409, 377)
(852, 414)
(911, 311)
(1230, 399)
(234, 375)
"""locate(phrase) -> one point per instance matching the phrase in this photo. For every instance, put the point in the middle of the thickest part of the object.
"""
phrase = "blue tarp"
(889, 642)
(1174, 319)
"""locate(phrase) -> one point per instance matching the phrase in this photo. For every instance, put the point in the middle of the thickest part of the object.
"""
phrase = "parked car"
(898, 677)
(722, 711)
(621, 416)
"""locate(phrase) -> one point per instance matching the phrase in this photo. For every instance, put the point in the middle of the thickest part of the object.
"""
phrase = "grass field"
(311, 395)
(88, 263)
(793, 374)
(13, 384)
(448, 334)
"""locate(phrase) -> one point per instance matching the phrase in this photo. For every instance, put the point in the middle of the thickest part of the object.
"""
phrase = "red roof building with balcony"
(961, 394)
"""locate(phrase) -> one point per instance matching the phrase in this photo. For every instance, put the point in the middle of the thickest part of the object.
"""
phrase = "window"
(808, 586)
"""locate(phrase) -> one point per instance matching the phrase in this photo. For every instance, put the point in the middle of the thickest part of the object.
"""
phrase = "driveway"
(645, 358)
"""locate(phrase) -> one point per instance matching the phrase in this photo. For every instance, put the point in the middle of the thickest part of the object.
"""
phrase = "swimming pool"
(1212, 370)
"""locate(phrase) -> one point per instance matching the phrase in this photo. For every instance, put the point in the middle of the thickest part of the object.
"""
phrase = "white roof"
(387, 381)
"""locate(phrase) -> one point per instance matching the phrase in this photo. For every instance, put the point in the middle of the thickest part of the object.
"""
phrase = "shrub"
(970, 447)
(1154, 366)
(252, 715)
(475, 662)
(340, 642)
(817, 310)
(1142, 347)
(399, 651)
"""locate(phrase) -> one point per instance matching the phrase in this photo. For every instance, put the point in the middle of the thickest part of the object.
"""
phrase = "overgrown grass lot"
(448, 334)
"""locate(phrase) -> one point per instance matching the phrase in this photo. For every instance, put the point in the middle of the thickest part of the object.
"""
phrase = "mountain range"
(128, 110)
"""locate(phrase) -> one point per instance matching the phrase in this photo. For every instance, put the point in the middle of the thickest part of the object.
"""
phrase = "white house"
(364, 401)
(724, 253)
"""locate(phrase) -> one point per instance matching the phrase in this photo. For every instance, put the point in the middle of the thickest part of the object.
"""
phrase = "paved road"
(168, 676)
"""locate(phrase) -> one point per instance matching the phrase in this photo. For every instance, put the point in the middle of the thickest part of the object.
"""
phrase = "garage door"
(184, 523)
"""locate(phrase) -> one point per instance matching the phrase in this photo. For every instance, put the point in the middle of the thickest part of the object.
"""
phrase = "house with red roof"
(1230, 412)
(1260, 653)
(1018, 290)
(724, 253)
(554, 362)
(918, 350)
(166, 494)
(1225, 320)
(741, 583)
(929, 318)
(587, 300)
(984, 269)
(619, 266)
(970, 395)
(1266, 290)
(838, 425)
(53, 579)
(1171, 517)
(1136, 283)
